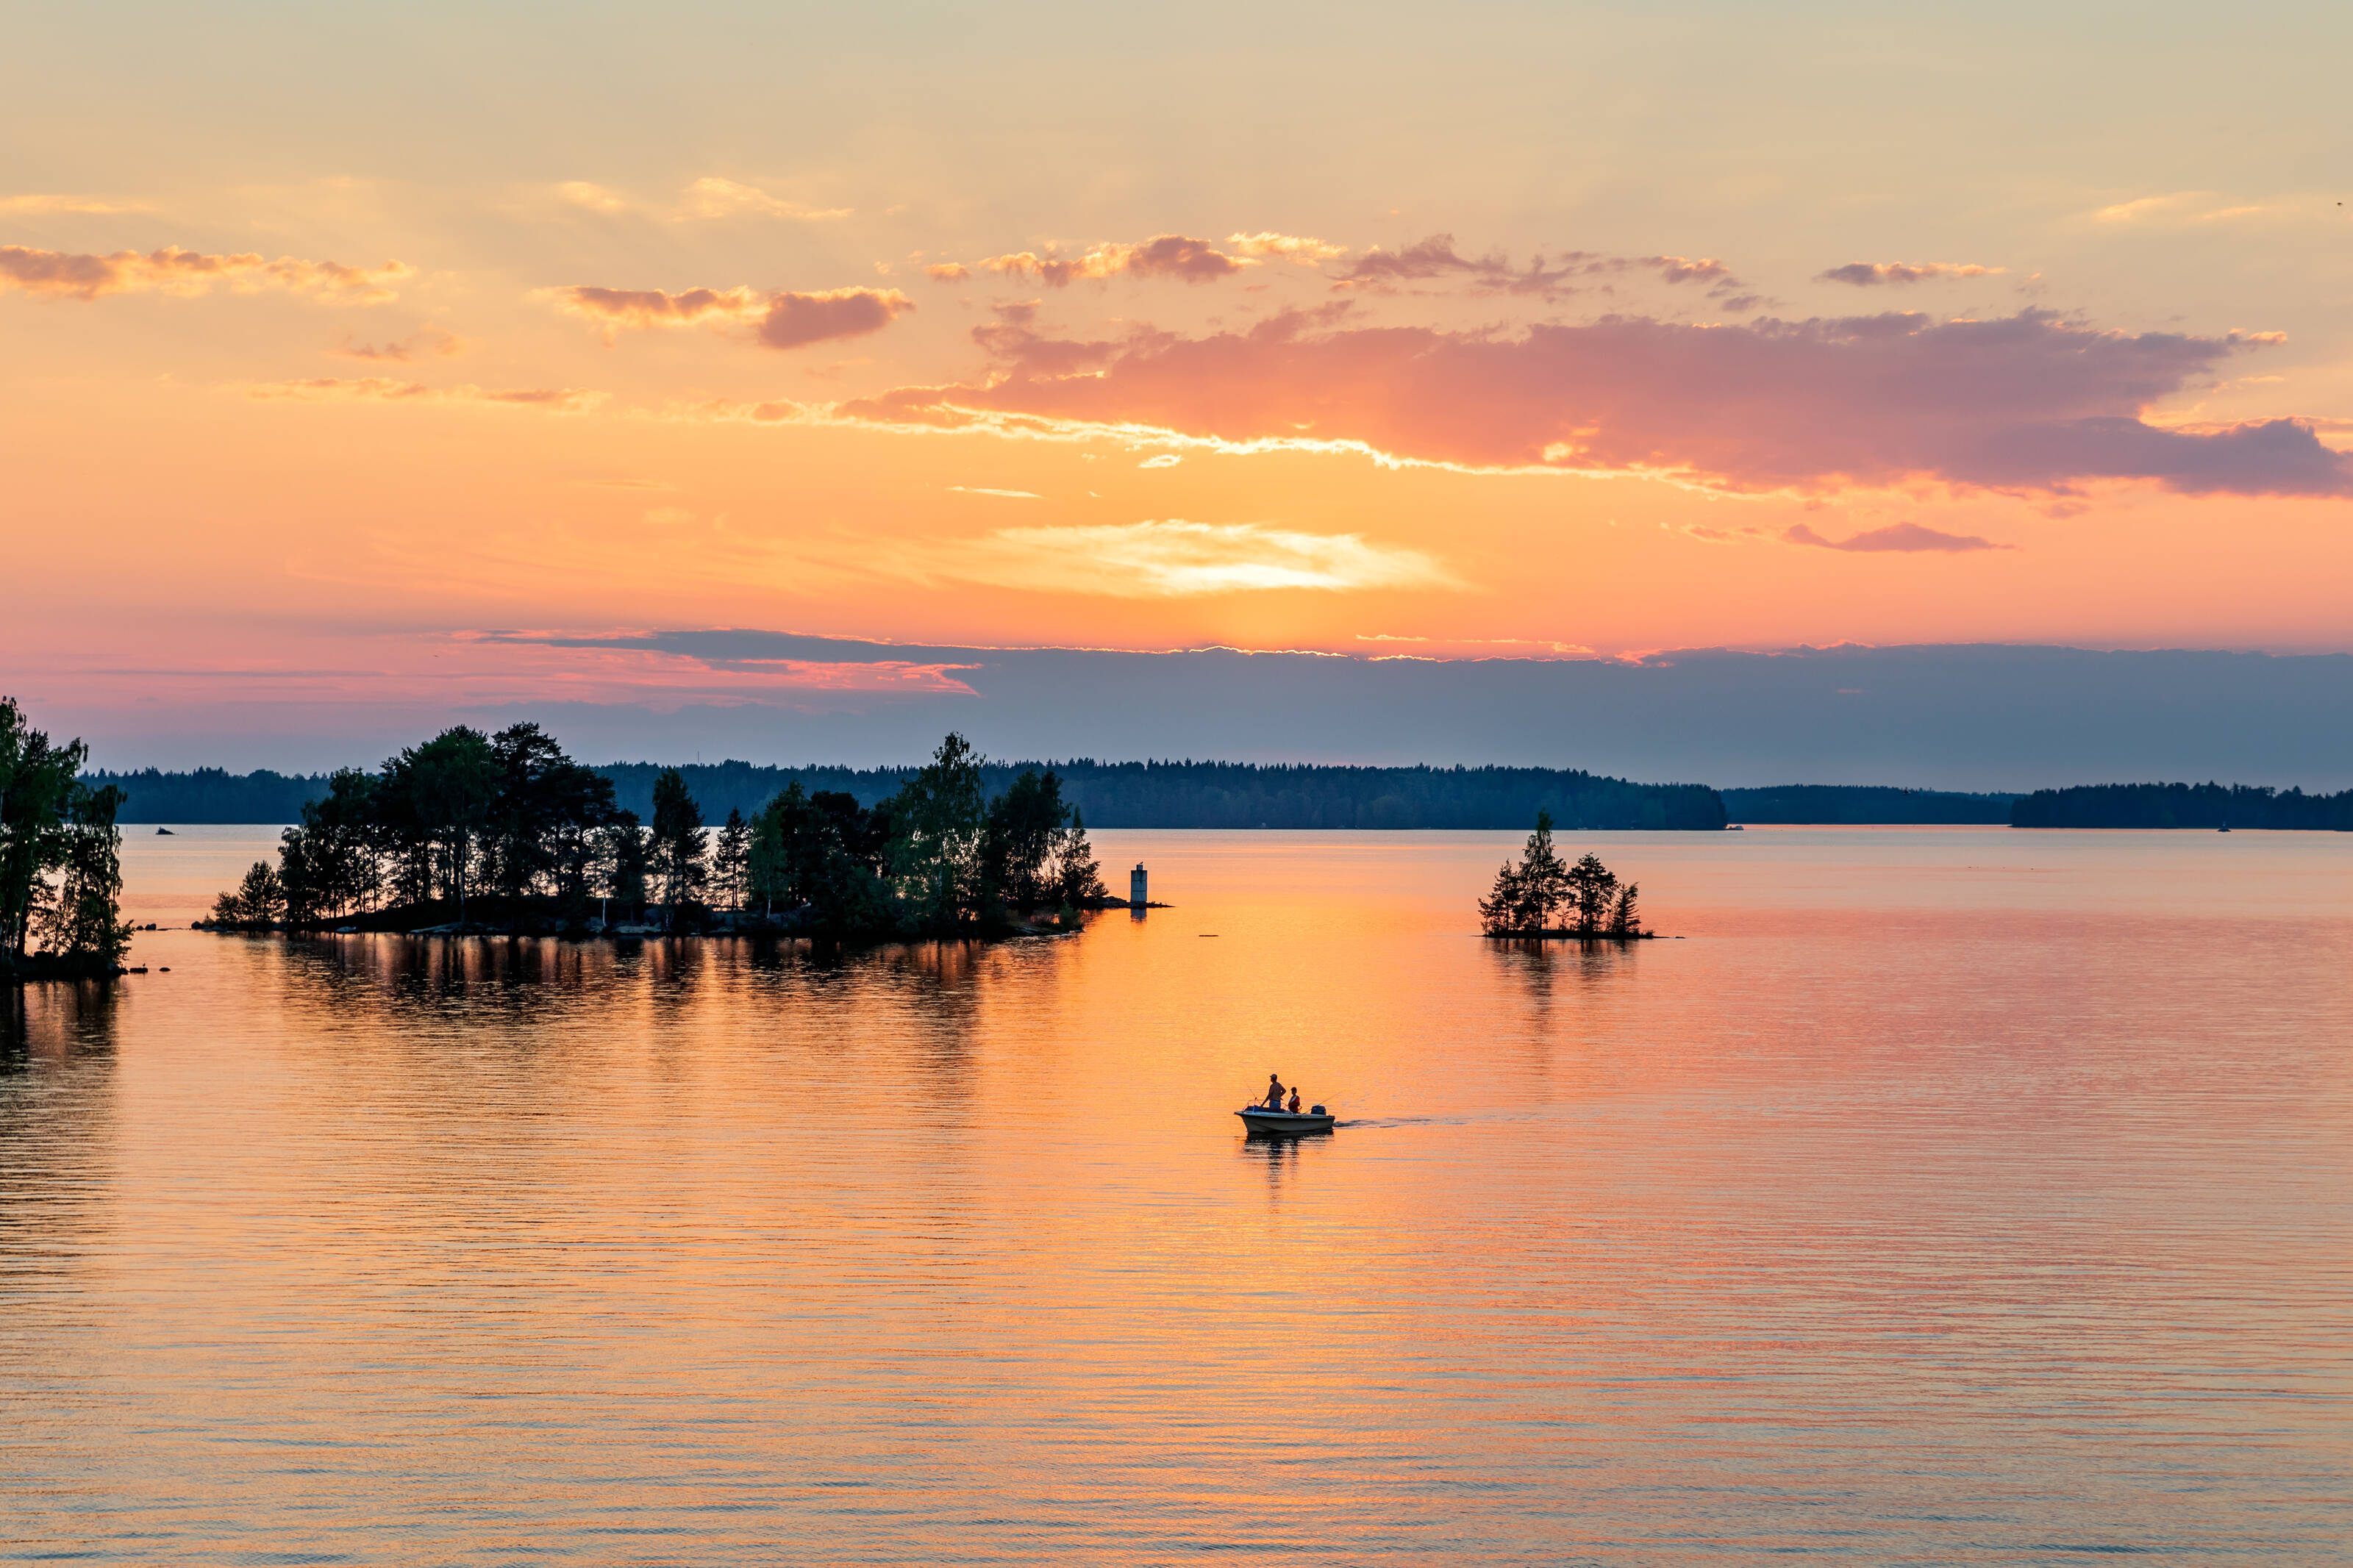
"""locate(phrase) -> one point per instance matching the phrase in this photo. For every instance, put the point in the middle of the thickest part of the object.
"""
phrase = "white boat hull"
(1258, 1119)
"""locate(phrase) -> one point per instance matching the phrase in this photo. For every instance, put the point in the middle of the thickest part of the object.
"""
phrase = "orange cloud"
(2195, 209)
(784, 320)
(1162, 256)
(595, 198)
(171, 271)
(1177, 559)
(947, 271)
(1301, 248)
(383, 389)
(2025, 403)
(707, 198)
(51, 202)
(1864, 274)
(712, 197)
(435, 341)
(1683, 269)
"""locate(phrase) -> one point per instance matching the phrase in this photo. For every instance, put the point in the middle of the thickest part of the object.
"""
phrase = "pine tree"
(1590, 887)
(621, 866)
(730, 860)
(259, 898)
(1625, 917)
(1544, 879)
(1525, 895)
(680, 844)
(779, 863)
(1499, 911)
(299, 878)
(447, 789)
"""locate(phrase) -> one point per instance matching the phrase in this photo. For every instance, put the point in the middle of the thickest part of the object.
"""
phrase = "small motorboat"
(1314, 1119)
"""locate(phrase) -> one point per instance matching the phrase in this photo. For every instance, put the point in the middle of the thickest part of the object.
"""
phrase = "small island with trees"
(1544, 896)
(505, 833)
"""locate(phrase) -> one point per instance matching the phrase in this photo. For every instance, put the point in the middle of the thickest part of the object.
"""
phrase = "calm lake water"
(1947, 1196)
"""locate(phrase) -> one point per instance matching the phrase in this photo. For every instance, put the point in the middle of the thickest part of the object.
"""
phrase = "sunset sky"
(429, 360)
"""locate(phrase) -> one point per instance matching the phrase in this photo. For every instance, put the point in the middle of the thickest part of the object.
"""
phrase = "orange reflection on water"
(1945, 1196)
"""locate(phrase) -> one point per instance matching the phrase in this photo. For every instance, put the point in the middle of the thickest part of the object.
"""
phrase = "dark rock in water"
(166, 833)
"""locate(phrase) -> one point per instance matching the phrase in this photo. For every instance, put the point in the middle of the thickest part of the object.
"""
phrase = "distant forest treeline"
(1243, 794)
(1862, 806)
(1111, 795)
(212, 794)
(1250, 794)
(2182, 805)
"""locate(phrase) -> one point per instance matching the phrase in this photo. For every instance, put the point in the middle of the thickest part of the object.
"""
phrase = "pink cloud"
(172, 270)
(642, 308)
(780, 321)
(1436, 258)
(1865, 274)
(1162, 256)
(1014, 337)
(2029, 402)
(384, 389)
(1683, 269)
(793, 320)
(1907, 537)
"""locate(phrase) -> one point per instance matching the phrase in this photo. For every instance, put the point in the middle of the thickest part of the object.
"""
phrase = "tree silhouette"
(1591, 887)
(679, 843)
(1585, 895)
(730, 860)
(449, 785)
(1625, 917)
(1525, 895)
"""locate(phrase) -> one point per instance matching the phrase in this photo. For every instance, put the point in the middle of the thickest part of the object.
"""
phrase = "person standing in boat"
(1274, 1101)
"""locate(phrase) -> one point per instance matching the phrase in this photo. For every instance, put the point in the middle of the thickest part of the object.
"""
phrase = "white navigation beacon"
(1135, 886)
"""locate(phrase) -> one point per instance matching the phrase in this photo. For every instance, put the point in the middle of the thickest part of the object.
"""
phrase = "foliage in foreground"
(1545, 895)
(508, 826)
(60, 859)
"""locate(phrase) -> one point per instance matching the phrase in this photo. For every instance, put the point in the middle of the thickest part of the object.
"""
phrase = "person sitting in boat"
(1294, 1102)
(1274, 1101)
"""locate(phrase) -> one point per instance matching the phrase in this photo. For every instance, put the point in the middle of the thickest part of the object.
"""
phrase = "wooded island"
(1544, 896)
(505, 833)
